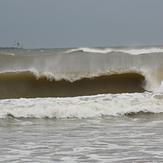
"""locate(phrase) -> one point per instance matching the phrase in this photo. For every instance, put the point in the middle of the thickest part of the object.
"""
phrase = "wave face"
(81, 71)
(25, 84)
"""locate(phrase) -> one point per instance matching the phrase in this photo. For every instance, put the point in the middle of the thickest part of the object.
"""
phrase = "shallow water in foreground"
(131, 138)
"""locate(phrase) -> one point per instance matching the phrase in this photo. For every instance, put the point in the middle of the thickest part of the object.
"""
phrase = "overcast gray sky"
(76, 23)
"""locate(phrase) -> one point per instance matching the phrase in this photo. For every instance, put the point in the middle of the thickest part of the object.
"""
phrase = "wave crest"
(121, 50)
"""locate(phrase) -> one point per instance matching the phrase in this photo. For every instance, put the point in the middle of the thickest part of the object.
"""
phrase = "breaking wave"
(133, 51)
(76, 72)
(80, 83)
(82, 107)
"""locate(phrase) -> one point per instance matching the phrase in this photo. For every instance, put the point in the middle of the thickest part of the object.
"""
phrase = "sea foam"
(132, 51)
(82, 107)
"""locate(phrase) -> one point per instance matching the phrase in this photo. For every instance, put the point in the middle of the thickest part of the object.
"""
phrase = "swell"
(27, 85)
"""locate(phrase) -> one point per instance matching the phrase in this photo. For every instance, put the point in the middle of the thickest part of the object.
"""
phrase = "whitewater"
(81, 104)
(82, 107)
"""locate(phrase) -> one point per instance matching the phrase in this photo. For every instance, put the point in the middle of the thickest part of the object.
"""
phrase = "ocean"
(81, 105)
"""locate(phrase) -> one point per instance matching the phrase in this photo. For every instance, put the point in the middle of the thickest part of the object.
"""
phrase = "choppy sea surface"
(122, 121)
(109, 139)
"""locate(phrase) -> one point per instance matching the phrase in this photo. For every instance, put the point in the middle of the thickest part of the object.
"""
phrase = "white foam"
(142, 51)
(7, 53)
(159, 89)
(82, 107)
(90, 50)
(109, 50)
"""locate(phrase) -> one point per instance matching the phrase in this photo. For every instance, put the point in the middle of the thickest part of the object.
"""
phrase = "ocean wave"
(33, 83)
(133, 51)
(30, 84)
(88, 73)
(90, 50)
(82, 107)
